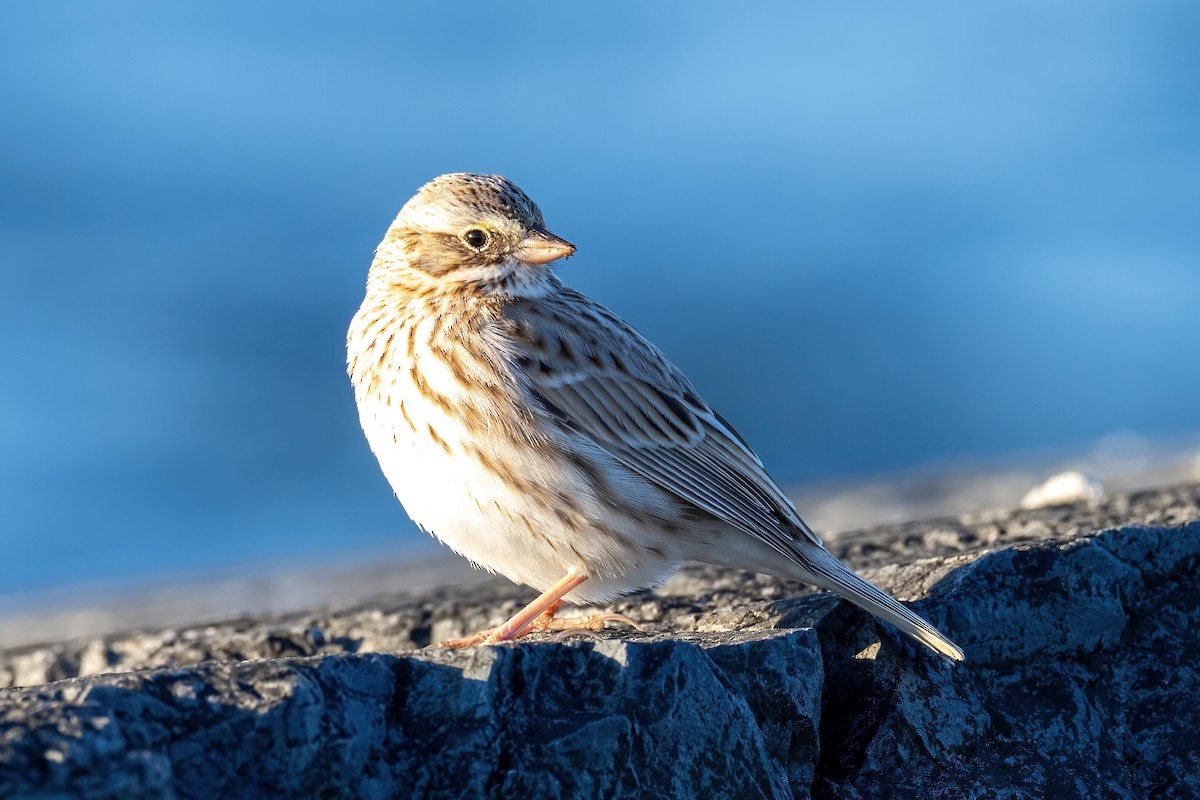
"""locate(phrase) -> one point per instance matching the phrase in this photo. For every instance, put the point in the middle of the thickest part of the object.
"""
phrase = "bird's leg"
(523, 621)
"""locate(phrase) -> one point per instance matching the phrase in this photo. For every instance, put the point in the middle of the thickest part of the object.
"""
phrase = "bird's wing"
(599, 376)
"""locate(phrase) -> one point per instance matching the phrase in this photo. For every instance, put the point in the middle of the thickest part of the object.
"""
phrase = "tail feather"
(829, 573)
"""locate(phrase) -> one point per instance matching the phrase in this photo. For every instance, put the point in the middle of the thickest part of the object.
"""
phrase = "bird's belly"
(513, 507)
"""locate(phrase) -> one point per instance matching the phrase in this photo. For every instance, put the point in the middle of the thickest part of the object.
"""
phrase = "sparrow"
(539, 435)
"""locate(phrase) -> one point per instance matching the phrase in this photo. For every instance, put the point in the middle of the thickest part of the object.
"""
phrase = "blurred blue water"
(873, 238)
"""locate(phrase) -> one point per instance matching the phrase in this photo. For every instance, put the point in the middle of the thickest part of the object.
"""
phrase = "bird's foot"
(543, 623)
(570, 626)
(539, 616)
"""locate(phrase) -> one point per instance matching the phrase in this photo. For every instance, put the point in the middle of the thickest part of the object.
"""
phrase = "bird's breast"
(475, 465)
(425, 384)
(441, 413)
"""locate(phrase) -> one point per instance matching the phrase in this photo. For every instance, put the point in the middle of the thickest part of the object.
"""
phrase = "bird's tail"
(829, 573)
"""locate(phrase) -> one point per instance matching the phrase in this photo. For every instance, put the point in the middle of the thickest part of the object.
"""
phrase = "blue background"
(874, 236)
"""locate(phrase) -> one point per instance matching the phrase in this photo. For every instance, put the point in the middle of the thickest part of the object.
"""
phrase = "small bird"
(539, 435)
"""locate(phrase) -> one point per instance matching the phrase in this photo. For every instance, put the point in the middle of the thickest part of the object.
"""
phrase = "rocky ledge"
(1081, 627)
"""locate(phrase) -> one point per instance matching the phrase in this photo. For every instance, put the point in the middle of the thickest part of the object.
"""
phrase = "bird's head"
(478, 230)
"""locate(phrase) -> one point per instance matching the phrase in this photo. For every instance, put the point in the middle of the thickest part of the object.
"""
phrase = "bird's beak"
(540, 246)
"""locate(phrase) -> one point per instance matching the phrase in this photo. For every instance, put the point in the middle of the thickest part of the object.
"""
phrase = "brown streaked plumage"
(539, 435)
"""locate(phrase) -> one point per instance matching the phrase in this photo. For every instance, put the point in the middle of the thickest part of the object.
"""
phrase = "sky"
(875, 238)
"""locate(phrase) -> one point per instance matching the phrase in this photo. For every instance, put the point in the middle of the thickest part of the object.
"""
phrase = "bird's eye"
(475, 239)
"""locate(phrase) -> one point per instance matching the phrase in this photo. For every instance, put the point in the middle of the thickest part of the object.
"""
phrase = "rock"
(1079, 625)
(1063, 489)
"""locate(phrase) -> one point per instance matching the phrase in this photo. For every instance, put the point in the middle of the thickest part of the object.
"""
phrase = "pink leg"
(523, 620)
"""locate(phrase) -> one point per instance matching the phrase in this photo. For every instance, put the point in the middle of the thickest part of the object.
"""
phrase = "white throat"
(512, 278)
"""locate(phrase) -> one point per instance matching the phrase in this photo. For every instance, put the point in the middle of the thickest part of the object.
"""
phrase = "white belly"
(519, 510)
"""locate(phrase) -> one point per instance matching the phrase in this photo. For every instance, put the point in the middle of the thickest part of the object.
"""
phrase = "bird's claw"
(570, 626)
(543, 623)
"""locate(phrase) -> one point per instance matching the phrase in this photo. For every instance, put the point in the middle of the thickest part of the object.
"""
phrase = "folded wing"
(619, 389)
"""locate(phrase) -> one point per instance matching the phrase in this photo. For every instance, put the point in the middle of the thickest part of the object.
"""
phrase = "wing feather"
(624, 394)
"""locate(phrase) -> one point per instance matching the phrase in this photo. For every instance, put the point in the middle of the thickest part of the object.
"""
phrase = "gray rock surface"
(1081, 627)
